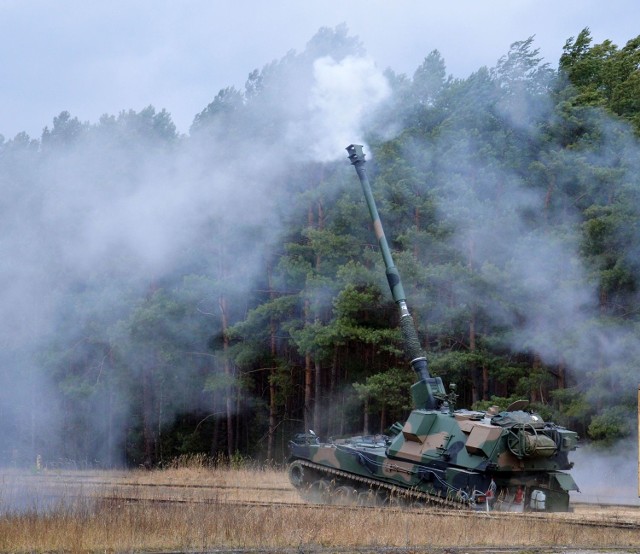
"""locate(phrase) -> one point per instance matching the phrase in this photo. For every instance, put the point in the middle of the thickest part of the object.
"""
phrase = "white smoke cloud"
(344, 95)
(607, 476)
(118, 212)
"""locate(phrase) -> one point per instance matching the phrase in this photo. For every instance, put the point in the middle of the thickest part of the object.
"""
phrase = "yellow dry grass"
(96, 511)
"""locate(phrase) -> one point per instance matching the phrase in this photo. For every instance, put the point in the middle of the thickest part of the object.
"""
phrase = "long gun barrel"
(423, 391)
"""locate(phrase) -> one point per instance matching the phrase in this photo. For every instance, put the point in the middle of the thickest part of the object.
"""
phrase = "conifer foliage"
(217, 292)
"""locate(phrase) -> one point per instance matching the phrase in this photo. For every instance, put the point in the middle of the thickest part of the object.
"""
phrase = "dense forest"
(217, 292)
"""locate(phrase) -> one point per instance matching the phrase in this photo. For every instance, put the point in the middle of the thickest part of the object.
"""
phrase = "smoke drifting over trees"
(165, 294)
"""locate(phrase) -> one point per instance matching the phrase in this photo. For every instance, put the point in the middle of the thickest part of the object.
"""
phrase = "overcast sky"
(95, 57)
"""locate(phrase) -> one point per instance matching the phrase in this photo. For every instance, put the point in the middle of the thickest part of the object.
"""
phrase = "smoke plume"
(104, 223)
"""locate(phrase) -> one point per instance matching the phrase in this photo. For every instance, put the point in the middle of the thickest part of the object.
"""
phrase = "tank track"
(404, 496)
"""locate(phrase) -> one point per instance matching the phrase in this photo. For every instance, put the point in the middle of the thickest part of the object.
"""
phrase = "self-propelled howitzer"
(511, 460)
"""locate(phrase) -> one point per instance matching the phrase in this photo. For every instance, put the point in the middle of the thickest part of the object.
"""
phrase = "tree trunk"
(272, 394)
(536, 368)
(238, 420)
(222, 301)
(147, 418)
(320, 226)
(317, 383)
(475, 393)
(562, 375)
(215, 438)
(366, 415)
(316, 394)
(332, 420)
(308, 375)
(272, 377)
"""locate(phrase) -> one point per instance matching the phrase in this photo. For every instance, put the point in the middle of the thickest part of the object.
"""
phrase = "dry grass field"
(198, 508)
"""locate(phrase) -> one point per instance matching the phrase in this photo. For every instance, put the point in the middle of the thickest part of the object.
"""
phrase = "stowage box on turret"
(510, 461)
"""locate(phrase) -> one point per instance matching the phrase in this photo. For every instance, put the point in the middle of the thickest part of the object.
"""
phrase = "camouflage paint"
(441, 453)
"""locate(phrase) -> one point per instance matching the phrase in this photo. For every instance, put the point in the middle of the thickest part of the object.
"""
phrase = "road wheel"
(296, 474)
(319, 492)
(371, 498)
(344, 496)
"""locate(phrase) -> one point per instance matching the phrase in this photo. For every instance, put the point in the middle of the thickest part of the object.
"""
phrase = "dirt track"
(268, 490)
(26, 488)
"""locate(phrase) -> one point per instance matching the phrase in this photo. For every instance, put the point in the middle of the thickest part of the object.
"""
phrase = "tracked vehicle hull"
(511, 460)
(442, 468)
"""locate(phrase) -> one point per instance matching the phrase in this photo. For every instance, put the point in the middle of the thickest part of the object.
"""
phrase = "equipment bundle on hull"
(509, 461)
